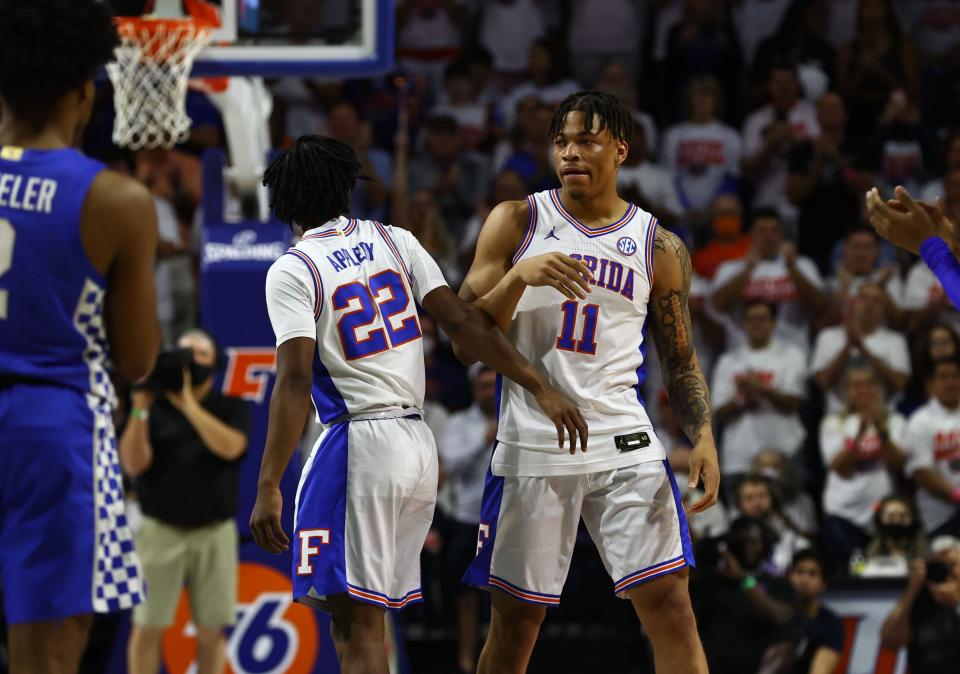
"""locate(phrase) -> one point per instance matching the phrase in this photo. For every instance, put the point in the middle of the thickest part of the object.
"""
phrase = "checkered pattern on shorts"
(117, 577)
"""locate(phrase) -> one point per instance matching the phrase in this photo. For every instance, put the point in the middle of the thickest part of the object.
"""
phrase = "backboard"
(277, 38)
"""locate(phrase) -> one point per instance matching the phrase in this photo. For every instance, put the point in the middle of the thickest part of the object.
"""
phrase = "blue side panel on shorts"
(478, 573)
(497, 394)
(326, 398)
(684, 529)
(323, 508)
(642, 370)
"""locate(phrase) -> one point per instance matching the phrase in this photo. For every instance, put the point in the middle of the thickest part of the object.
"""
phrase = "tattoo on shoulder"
(667, 242)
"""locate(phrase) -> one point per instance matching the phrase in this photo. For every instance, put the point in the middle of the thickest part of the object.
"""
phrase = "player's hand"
(903, 222)
(704, 464)
(571, 277)
(265, 521)
(566, 416)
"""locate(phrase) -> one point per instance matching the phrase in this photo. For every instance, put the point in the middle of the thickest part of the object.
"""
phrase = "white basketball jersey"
(354, 286)
(593, 350)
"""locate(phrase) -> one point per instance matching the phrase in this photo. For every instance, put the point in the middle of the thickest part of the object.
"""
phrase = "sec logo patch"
(626, 246)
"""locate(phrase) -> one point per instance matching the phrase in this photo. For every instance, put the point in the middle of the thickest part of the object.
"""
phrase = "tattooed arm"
(684, 380)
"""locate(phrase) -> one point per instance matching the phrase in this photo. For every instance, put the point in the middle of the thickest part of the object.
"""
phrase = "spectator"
(183, 448)
(899, 147)
(773, 272)
(823, 632)
(458, 179)
(756, 21)
(861, 340)
(940, 341)
(648, 185)
(933, 446)
(527, 150)
(546, 81)
(795, 504)
(428, 37)
(508, 29)
(826, 183)
(728, 242)
(601, 32)
(745, 615)
(507, 186)
(461, 101)
(703, 43)
(799, 40)
(464, 450)
(951, 162)
(703, 152)
(755, 499)
(898, 539)
(369, 200)
(422, 218)
(757, 391)
(771, 132)
(926, 619)
(880, 60)
(862, 450)
(859, 264)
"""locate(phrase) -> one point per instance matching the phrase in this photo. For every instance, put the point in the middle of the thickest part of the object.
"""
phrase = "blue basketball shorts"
(65, 547)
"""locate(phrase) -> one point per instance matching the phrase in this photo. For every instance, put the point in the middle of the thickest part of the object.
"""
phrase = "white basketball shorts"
(528, 529)
(364, 507)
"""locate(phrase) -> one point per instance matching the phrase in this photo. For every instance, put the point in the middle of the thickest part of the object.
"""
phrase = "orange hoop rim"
(151, 24)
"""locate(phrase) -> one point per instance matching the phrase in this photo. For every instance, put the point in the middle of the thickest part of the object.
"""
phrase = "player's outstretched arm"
(684, 380)
(119, 231)
(476, 332)
(289, 406)
(495, 285)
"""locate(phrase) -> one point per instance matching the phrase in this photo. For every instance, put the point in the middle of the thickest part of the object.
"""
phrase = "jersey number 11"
(587, 343)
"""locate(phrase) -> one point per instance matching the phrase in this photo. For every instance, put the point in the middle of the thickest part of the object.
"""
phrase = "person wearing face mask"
(183, 449)
(898, 540)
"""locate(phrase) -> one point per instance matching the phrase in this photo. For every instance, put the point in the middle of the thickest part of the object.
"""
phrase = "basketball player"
(343, 304)
(77, 247)
(594, 351)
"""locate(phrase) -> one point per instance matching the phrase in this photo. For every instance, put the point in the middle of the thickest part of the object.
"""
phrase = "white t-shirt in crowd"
(771, 190)
(933, 441)
(888, 345)
(780, 365)
(771, 282)
(431, 30)
(603, 27)
(655, 184)
(465, 456)
(701, 156)
(893, 286)
(922, 289)
(509, 30)
(931, 190)
(756, 20)
(854, 498)
(933, 24)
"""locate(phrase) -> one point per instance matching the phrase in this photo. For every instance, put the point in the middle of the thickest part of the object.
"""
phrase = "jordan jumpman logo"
(552, 234)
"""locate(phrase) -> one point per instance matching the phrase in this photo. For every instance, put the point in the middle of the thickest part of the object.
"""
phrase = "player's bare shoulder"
(672, 269)
(505, 226)
(117, 209)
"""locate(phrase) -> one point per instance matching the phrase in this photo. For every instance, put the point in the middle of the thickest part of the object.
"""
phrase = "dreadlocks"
(311, 182)
(607, 108)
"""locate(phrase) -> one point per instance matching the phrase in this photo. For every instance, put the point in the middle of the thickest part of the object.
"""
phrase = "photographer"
(182, 444)
(926, 619)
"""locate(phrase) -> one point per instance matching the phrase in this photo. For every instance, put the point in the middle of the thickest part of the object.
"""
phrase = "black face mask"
(199, 374)
(897, 531)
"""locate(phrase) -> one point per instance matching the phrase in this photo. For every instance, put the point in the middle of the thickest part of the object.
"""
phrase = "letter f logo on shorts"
(482, 535)
(307, 550)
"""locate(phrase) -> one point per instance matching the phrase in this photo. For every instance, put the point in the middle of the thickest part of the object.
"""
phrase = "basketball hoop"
(151, 73)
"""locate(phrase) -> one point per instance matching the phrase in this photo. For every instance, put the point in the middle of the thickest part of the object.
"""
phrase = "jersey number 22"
(385, 295)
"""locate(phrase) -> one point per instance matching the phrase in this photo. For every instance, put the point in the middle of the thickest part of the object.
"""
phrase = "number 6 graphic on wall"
(385, 295)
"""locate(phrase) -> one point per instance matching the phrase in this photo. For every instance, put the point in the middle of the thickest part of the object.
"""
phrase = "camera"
(937, 571)
(167, 374)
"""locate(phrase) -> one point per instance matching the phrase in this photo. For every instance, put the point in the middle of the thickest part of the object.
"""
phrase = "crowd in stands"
(834, 358)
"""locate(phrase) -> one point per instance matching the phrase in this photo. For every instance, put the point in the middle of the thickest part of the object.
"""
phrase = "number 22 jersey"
(354, 286)
(593, 350)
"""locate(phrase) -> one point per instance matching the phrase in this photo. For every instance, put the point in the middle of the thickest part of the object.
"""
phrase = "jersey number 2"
(385, 295)
(7, 238)
(588, 337)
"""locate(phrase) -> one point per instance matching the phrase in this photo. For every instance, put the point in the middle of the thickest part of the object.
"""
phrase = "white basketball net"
(149, 77)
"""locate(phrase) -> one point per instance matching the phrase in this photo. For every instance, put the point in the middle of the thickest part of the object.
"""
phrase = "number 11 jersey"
(593, 350)
(354, 286)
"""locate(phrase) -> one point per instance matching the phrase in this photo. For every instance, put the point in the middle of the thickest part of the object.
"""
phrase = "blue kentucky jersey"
(51, 297)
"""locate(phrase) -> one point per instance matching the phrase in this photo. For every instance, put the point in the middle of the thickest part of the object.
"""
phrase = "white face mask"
(429, 345)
